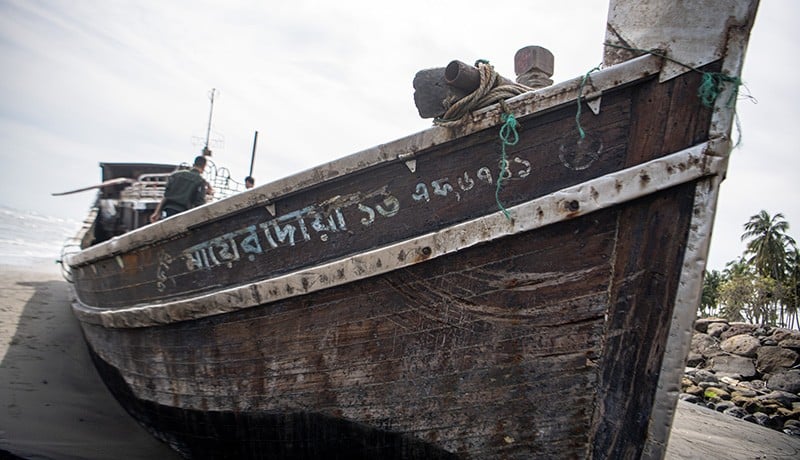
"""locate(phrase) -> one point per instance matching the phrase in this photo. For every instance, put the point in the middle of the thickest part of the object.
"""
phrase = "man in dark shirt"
(185, 189)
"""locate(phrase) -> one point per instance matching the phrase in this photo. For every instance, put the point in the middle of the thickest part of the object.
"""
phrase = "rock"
(722, 406)
(793, 423)
(742, 345)
(705, 345)
(716, 329)
(737, 412)
(792, 430)
(694, 399)
(714, 393)
(755, 385)
(734, 366)
(694, 359)
(791, 343)
(702, 375)
(783, 398)
(749, 372)
(693, 390)
(701, 324)
(780, 334)
(738, 329)
(788, 380)
(761, 418)
(773, 358)
(744, 392)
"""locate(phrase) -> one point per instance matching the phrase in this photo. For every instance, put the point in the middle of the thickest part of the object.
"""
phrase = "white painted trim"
(600, 193)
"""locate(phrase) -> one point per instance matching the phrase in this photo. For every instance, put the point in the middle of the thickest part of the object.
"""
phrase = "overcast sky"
(85, 82)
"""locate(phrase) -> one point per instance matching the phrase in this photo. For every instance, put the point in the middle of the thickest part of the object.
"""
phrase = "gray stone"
(738, 329)
(744, 392)
(702, 375)
(716, 329)
(742, 345)
(705, 345)
(737, 412)
(761, 418)
(790, 343)
(772, 358)
(791, 422)
(701, 324)
(694, 359)
(792, 430)
(785, 381)
(756, 385)
(734, 366)
(783, 398)
(694, 399)
(779, 334)
(722, 406)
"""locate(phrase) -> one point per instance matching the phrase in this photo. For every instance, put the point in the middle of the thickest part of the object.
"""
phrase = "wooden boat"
(397, 303)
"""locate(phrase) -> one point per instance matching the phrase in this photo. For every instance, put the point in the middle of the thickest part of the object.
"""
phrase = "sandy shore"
(52, 403)
(54, 406)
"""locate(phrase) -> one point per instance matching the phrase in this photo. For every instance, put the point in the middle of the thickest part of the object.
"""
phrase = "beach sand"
(53, 405)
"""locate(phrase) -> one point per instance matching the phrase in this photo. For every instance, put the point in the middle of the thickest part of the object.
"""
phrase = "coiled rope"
(490, 91)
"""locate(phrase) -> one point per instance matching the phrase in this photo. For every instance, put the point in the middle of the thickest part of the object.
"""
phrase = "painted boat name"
(324, 219)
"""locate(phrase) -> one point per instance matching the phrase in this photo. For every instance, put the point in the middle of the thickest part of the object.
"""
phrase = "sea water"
(30, 239)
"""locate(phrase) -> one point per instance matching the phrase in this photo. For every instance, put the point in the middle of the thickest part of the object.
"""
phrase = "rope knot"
(508, 136)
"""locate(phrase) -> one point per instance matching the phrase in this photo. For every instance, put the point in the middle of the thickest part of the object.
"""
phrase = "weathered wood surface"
(451, 183)
(487, 353)
(431, 91)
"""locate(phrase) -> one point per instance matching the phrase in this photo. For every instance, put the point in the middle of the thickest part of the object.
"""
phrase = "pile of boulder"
(746, 371)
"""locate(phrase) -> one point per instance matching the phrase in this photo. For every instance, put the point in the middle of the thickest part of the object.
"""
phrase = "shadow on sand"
(52, 402)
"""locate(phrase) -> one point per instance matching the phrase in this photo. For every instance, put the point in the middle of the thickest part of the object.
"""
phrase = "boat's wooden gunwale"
(609, 190)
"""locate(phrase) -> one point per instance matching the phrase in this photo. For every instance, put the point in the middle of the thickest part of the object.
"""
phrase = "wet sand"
(54, 406)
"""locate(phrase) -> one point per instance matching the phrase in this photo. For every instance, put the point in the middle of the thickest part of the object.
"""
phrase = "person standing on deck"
(185, 189)
(249, 182)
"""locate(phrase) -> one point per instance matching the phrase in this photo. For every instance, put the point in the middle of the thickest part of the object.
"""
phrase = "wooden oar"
(117, 181)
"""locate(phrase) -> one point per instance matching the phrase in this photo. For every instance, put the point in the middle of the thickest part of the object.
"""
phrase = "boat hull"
(447, 295)
(496, 351)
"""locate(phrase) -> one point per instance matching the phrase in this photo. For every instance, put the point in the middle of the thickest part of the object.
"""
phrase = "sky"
(85, 82)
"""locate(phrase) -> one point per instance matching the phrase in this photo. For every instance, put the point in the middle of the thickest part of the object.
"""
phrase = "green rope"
(508, 136)
(580, 93)
(710, 87)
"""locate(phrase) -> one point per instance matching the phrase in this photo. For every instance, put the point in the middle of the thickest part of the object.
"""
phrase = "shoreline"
(54, 405)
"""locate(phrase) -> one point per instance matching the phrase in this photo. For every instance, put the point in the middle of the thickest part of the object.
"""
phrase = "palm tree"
(768, 245)
(769, 249)
(709, 299)
(792, 296)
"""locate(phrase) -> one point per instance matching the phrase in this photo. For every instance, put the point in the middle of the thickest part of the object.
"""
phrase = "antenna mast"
(206, 150)
(253, 156)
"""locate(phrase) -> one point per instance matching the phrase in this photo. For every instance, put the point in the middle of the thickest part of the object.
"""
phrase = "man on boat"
(249, 182)
(185, 189)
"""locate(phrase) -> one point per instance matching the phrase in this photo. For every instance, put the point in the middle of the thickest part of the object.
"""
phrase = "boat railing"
(152, 185)
(221, 181)
(146, 186)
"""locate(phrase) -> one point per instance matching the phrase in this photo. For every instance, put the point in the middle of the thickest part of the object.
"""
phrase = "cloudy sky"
(85, 82)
